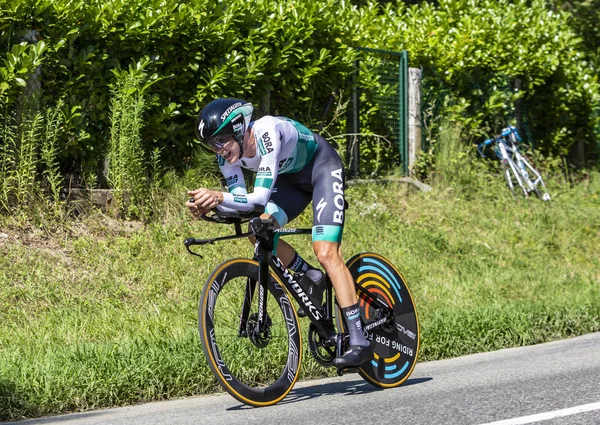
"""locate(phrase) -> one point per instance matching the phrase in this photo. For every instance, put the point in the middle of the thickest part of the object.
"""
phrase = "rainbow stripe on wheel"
(395, 348)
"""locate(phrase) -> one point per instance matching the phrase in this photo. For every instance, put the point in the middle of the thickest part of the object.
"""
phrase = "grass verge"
(104, 313)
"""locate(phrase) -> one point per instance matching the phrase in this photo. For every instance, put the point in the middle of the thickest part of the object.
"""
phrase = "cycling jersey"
(293, 166)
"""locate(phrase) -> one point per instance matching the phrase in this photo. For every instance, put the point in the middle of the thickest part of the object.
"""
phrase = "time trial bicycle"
(516, 167)
(249, 326)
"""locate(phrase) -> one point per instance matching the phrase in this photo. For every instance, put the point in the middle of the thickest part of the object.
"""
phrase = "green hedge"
(200, 49)
(288, 57)
(473, 53)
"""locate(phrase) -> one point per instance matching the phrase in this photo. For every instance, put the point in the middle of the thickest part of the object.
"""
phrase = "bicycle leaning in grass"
(516, 167)
(249, 326)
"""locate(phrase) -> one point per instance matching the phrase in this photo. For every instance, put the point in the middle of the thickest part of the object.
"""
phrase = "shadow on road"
(348, 388)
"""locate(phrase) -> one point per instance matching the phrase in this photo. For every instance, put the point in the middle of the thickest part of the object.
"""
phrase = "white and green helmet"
(223, 118)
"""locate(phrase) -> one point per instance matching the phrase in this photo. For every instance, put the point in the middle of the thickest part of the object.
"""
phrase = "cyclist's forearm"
(245, 202)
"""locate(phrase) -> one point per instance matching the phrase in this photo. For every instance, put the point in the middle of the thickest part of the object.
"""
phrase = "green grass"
(104, 313)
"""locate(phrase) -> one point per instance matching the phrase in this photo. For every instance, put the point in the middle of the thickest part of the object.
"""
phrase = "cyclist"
(293, 166)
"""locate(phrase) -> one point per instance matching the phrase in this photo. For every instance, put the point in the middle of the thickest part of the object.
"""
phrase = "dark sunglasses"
(217, 142)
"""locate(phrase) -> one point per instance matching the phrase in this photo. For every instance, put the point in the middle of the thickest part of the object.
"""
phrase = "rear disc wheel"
(396, 341)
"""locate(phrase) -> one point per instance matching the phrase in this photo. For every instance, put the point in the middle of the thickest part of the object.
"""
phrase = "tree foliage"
(287, 57)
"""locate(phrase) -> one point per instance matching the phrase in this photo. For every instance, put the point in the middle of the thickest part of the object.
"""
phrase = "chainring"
(322, 352)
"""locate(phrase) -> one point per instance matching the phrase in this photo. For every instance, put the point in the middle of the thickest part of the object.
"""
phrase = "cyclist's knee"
(327, 253)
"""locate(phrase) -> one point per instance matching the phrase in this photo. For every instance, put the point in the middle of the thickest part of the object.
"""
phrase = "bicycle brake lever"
(192, 252)
(192, 241)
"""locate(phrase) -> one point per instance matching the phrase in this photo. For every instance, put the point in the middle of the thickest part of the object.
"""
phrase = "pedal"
(345, 370)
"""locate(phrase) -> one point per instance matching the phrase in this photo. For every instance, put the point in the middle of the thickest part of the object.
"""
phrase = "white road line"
(548, 415)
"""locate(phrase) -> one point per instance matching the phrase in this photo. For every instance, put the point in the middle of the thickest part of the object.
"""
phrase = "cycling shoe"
(355, 356)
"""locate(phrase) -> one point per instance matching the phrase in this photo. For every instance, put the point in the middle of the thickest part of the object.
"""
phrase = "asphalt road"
(550, 384)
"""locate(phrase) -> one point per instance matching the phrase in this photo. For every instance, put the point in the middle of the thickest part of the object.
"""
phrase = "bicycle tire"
(543, 194)
(506, 172)
(254, 374)
(396, 350)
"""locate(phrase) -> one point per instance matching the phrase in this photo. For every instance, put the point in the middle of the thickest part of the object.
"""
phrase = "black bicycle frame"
(322, 318)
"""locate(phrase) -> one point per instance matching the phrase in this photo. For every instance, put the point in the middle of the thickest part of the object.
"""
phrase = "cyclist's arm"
(264, 182)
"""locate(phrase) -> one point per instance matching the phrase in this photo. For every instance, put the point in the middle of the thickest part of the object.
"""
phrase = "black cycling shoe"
(355, 356)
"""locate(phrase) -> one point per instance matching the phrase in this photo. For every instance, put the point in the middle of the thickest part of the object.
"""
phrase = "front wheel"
(507, 177)
(395, 342)
(258, 367)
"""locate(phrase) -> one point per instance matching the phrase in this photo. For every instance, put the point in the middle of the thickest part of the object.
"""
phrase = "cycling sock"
(352, 316)
(299, 265)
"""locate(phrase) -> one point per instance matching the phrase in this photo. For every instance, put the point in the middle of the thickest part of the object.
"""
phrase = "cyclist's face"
(228, 149)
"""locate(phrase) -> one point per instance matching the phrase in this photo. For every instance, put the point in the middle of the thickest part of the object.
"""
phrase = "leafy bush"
(288, 57)
(475, 54)
(201, 49)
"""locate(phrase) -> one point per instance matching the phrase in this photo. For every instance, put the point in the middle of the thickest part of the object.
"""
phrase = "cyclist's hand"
(204, 200)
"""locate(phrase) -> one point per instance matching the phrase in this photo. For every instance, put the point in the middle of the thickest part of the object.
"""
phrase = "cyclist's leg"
(330, 256)
(328, 223)
(286, 203)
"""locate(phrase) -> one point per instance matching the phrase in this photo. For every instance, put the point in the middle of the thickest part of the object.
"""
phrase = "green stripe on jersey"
(305, 148)
(263, 182)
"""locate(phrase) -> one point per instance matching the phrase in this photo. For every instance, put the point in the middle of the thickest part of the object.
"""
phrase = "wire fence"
(378, 114)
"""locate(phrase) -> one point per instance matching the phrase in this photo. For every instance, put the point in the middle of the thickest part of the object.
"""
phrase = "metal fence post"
(403, 111)
(353, 151)
(414, 116)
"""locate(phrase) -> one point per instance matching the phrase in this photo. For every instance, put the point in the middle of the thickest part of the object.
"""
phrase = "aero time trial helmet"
(221, 119)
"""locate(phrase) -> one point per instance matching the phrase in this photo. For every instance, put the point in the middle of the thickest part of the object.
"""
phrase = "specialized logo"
(285, 230)
(201, 128)
(338, 200)
(261, 297)
(296, 287)
(230, 110)
(320, 207)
